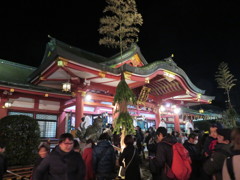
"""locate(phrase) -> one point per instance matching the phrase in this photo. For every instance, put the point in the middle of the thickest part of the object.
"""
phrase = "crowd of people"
(198, 155)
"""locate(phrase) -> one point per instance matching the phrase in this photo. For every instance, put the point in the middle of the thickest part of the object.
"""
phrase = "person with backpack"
(232, 163)
(213, 166)
(172, 159)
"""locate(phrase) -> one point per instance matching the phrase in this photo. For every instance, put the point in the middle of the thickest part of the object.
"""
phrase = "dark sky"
(200, 33)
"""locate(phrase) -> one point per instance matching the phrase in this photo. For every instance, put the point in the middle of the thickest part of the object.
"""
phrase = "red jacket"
(87, 157)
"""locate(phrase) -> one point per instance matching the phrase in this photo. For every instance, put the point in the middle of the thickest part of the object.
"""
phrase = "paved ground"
(145, 173)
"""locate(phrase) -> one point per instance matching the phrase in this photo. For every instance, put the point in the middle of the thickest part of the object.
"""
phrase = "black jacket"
(61, 166)
(192, 150)
(104, 158)
(3, 165)
(164, 155)
(37, 163)
(195, 156)
(133, 170)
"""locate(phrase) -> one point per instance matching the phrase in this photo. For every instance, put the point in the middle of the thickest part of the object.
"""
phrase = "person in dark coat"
(62, 163)
(3, 161)
(43, 151)
(104, 158)
(208, 147)
(194, 153)
(213, 166)
(164, 153)
(130, 152)
(139, 139)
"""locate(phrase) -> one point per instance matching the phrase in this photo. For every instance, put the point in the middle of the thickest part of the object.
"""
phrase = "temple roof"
(14, 72)
(62, 62)
(14, 75)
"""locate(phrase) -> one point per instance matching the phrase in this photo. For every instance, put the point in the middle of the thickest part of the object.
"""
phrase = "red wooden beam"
(53, 67)
(136, 84)
(98, 104)
(172, 94)
(101, 97)
(35, 92)
(34, 110)
(93, 71)
(69, 72)
(96, 86)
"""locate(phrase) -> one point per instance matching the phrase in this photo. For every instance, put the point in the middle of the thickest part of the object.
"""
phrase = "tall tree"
(225, 80)
(120, 27)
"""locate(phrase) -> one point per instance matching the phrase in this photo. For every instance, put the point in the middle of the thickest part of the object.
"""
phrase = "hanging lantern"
(7, 104)
(66, 87)
(201, 111)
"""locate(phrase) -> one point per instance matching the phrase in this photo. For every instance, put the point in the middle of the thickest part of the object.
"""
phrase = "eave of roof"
(14, 72)
(32, 88)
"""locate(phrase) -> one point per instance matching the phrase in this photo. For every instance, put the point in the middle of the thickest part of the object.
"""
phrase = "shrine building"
(72, 83)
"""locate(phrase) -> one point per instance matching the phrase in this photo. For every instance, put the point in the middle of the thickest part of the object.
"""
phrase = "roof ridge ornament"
(170, 60)
(52, 43)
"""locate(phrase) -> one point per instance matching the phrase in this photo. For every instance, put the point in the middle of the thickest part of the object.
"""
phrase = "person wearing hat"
(213, 166)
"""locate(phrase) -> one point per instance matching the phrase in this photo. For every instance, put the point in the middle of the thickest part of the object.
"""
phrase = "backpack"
(212, 145)
(181, 163)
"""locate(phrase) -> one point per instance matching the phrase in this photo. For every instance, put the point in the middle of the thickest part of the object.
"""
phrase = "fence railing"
(18, 173)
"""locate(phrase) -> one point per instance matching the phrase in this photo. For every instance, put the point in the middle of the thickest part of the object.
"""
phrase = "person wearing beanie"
(213, 166)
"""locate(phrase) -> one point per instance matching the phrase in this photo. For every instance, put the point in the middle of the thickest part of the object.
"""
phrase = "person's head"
(193, 138)
(104, 136)
(224, 136)
(128, 140)
(90, 141)
(138, 128)
(66, 142)
(2, 147)
(43, 150)
(235, 136)
(83, 118)
(147, 133)
(76, 146)
(213, 131)
(161, 133)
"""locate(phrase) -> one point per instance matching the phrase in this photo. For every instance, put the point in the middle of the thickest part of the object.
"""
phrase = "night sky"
(200, 33)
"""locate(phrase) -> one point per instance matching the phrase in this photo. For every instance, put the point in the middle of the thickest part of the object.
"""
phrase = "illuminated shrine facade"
(72, 83)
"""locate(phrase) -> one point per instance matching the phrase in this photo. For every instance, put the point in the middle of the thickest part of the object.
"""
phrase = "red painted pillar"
(61, 124)
(79, 107)
(176, 123)
(158, 117)
(3, 110)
